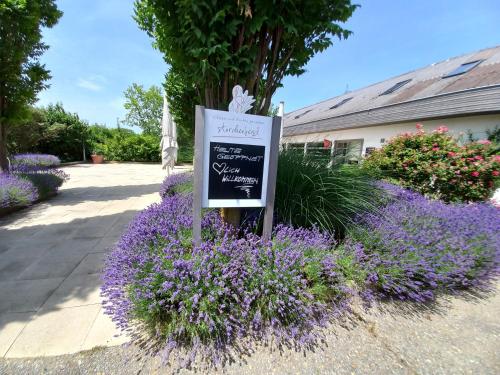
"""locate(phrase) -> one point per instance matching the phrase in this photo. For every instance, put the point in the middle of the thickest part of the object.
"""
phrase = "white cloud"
(93, 83)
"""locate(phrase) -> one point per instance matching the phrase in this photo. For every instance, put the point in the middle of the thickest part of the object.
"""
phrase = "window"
(464, 68)
(296, 146)
(342, 102)
(369, 150)
(397, 86)
(302, 114)
(341, 148)
(348, 151)
(318, 150)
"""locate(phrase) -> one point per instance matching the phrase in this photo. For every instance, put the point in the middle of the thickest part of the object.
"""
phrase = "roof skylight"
(464, 68)
(302, 114)
(397, 86)
(342, 102)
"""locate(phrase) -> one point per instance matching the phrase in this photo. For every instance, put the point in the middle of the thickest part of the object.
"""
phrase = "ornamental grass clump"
(414, 247)
(16, 191)
(206, 299)
(310, 193)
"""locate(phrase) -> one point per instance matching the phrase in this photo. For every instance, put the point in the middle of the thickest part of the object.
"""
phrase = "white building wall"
(373, 135)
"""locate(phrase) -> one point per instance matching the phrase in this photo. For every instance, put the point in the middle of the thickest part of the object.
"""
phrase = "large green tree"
(181, 96)
(144, 108)
(22, 75)
(216, 44)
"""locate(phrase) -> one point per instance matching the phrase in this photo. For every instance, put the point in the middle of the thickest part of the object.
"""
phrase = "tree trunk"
(4, 163)
(231, 215)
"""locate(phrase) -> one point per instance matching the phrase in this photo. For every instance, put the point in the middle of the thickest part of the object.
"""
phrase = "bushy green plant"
(185, 154)
(49, 130)
(134, 147)
(124, 144)
(65, 134)
(437, 166)
(310, 193)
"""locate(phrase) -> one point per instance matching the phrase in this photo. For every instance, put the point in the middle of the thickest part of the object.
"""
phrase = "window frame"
(303, 114)
(396, 87)
(341, 103)
(456, 72)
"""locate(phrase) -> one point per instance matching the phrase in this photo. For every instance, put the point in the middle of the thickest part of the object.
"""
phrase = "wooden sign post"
(235, 163)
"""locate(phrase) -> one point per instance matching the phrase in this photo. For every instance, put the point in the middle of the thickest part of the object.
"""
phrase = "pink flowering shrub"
(436, 165)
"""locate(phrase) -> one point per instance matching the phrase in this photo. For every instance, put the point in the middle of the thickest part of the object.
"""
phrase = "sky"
(97, 51)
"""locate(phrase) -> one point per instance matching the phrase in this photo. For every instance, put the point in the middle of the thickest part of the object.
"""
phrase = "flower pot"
(97, 159)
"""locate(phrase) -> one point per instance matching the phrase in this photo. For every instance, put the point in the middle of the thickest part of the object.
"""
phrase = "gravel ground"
(458, 335)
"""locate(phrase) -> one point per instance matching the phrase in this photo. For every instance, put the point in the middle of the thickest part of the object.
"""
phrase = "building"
(462, 93)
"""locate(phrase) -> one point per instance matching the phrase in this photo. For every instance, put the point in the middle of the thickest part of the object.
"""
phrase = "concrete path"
(51, 256)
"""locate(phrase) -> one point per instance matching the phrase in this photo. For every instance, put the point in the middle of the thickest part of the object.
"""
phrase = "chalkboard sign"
(236, 149)
(236, 171)
(235, 163)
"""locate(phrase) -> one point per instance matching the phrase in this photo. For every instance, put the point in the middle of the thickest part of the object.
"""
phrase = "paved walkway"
(52, 253)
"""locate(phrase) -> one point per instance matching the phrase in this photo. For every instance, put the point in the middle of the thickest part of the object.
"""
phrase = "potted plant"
(98, 154)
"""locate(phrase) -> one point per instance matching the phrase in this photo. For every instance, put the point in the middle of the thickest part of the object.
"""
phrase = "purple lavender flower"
(414, 246)
(16, 191)
(172, 181)
(47, 180)
(204, 298)
(41, 160)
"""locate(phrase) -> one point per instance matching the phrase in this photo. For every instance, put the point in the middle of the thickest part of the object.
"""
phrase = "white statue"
(241, 102)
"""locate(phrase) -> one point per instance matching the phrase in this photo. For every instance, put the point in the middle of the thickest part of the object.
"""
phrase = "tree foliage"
(181, 95)
(144, 108)
(51, 130)
(123, 144)
(22, 75)
(254, 43)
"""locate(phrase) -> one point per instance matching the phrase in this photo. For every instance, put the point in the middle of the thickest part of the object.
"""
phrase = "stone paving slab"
(12, 324)
(26, 295)
(51, 332)
(52, 255)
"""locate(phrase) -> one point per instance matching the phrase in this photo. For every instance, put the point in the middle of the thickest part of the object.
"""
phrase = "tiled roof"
(426, 84)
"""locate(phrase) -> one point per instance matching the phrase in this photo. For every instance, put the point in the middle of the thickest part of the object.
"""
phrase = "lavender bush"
(40, 160)
(46, 180)
(16, 191)
(205, 298)
(415, 246)
(234, 289)
(174, 183)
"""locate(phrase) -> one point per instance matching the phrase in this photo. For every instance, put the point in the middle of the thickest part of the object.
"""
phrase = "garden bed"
(235, 289)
